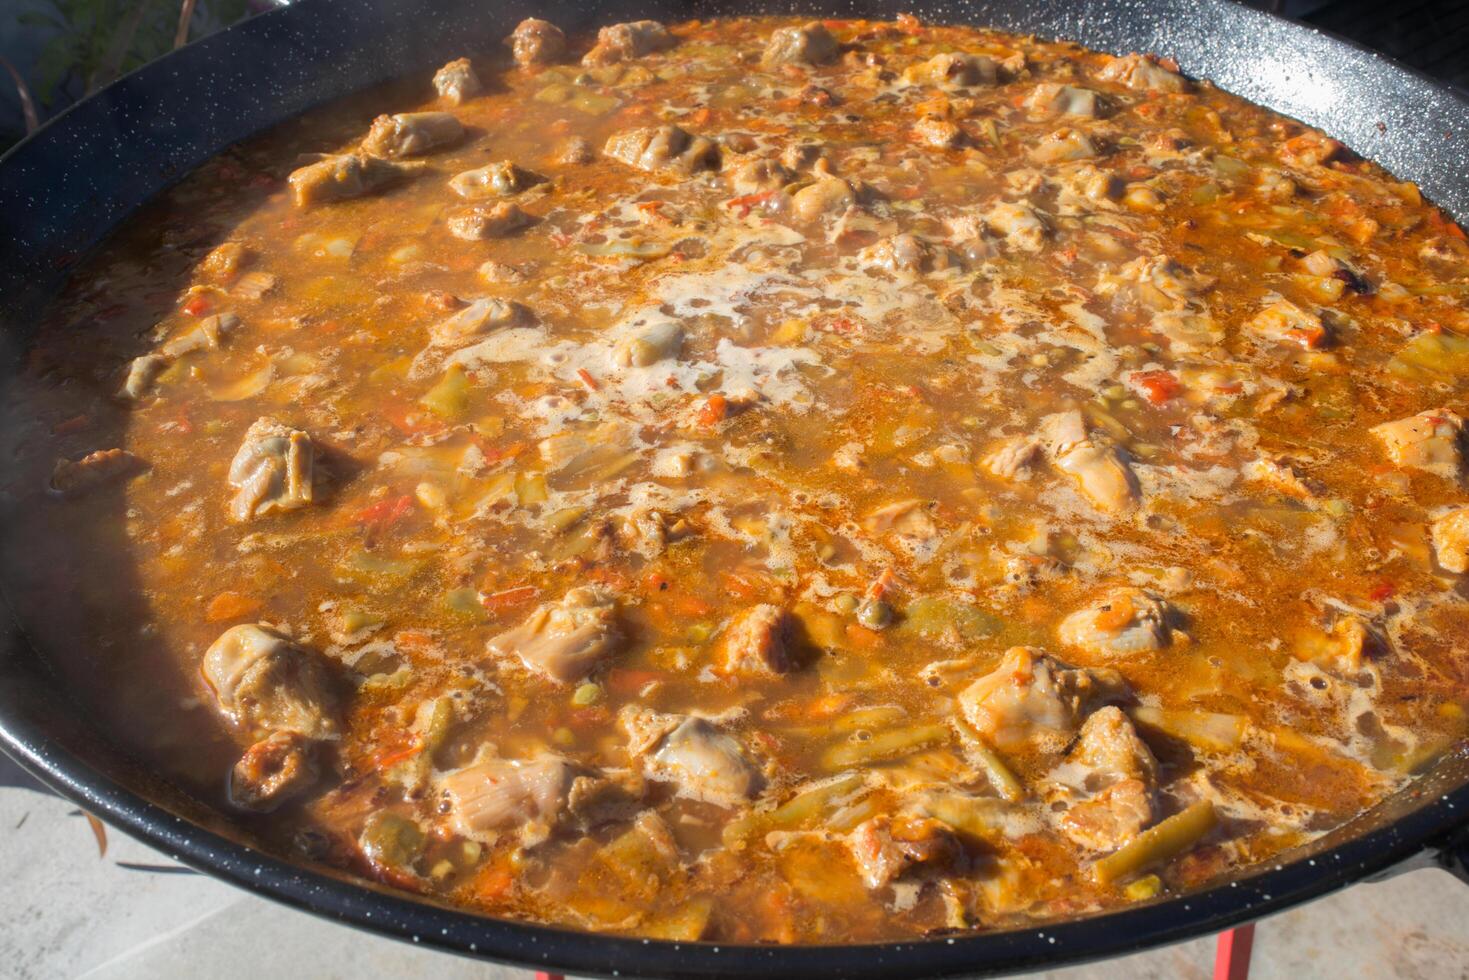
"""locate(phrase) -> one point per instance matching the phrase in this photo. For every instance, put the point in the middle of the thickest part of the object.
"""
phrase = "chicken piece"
(208, 334)
(507, 794)
(658, 342)
(1012, 459)
(1114, 774)
(1051, 98)
(536, 42)
(1018, 224)
(1100, 472)
(954, 70)
(1142, 73)
(908, 253)
(939, 133)
(482, 221)
(274, 769)
(885, 848)
(341, 177)
(806, 156)
(272, 471)
(1310, 149)
(1063, 145)
(1429, 441)
(909, 522)
(1156, 282)
(624, 42)
(1351, 641)
(1084, 189)
(829, 195)
(264, 682)
(663, 148)
(759, 176)
(1125, 621)
(411, 134)
(456, 82)
(1281, 475)
(758, 643)
(253, 285)
(1451, 540)
(1286, 323)
(224, 261)
(576, 150)
(1032, 700)
(701, 761)
(479, 318)
(503, 179)
(566, 640)
(142, 372)
(73, 478)
(809, 44)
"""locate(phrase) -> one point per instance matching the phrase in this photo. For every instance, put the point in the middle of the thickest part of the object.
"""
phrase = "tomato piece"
(715, 410)
(1158, 386)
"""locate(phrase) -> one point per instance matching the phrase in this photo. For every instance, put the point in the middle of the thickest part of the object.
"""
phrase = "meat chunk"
(658, 342)
(954, 70)
(1286, 323)
(758, 176)
(481, 221)
(885, 847)
(1052, 98)
(265, 683)
(1430, 441)
(224, 261)
(1019, 224)
(410, 134)
(701, 761)
(1281, 475)
(1063, 145)
(456, 81)
(73, 478)
(939, 133)
(1011, 459)
(272, 471)
(341, 177)
(1156, 282)
(809, 44)
(536, 42)
(1451, 540)
(479, 318)
(1143, 73)
(624, 42)
(1032, 700)
(1100, 472)
(829, 195)
(502, 179)
(1084, 188)
(1125, 621)
(1111, 776)
(566, 640)
(576, 150)
(273, 770)
(663, 148)
(908, 253)
(758, 643)
(534, 797)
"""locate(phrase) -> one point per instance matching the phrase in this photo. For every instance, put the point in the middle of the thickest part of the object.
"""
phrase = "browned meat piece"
(1066, 100)
(208, 334)
(1034, 700)
(830, 195)
(272, 471)
(566, 640)
(409, 134)
(1123, 622)
(478, 319)
(886, 847)
(274, 769)
(483, 221)
(1451, 540)
(1143, 73)
(457, 81)
(1286, 323)
(623, 42)
(536, 42)
(940, 133)
(224, 261)
(349, 175)
(757, 643)
(74, 478)
(810, 44)
(663, 148)
(1062, 146)
(576, 150)
(908, 253)
(759, 176)
(1112, 776)
(502, 179)
(535, 797)
(701, 761)
(1430, 441)
(263, 682)
(954, 71)
(1100, 472)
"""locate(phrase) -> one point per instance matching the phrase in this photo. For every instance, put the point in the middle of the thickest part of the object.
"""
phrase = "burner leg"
(1232, 953)
(550, 976)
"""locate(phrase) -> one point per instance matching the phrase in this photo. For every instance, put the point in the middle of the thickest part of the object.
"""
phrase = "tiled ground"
(65, 912)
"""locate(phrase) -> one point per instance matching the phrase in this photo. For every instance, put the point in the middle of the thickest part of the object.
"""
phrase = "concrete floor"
(65, 912)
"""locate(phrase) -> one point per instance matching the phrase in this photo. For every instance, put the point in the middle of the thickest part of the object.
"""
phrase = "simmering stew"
(766, 481)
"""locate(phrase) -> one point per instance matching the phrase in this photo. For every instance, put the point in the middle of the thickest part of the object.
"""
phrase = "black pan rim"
(1267, 890)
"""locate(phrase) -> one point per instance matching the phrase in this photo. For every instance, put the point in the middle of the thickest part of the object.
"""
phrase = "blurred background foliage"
(54, 52)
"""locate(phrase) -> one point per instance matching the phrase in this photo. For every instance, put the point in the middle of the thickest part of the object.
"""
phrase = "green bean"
(1205, 730)
(886, 745)
(1158, 843)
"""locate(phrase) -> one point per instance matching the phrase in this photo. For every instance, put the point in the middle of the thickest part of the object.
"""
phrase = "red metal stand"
(550, 976)
(1232, 953)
